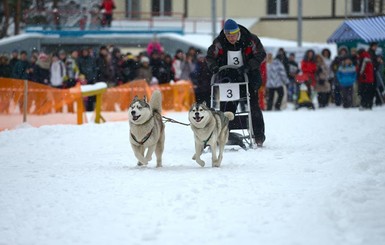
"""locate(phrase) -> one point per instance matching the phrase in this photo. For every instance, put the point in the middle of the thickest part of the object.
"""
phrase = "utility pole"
(214, 18)
(299, 24)
(223, 12)
(346, 9)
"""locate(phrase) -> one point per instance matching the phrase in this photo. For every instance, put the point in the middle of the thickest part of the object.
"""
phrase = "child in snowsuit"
(347, 75)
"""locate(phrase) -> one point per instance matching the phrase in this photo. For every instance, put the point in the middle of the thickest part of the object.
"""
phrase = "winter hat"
(42, 56)
(144, 59)
(230, 27)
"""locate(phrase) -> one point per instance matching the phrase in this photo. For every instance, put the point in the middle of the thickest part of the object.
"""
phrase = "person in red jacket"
(107, 8)
(309, 68)
(261, 90)
(365, 71)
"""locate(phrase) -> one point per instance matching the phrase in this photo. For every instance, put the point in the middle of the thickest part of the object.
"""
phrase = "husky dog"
(210, 127)
(147, 128)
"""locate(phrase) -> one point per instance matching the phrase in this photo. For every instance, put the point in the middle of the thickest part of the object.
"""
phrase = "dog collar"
(143, 140)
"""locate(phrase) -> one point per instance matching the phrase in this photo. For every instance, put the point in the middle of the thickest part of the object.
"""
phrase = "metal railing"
(94, 19)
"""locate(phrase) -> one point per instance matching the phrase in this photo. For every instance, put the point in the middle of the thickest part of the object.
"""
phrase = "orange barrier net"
(42, 99)
(177, 96)
(47, 105)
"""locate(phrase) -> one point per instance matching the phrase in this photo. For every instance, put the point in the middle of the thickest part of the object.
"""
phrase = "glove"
(243, 69)
(215, 69)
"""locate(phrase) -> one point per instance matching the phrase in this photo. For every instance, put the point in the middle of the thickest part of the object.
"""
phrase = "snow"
(93, 87)
(319, 179)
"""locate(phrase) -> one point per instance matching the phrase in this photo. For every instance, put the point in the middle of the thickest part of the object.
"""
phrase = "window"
(277, 7)
(161, 8)
(362, 6)
(133, 9)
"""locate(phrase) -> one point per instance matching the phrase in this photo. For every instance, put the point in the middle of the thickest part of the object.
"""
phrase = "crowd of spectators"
(65, 69)
(353, 78)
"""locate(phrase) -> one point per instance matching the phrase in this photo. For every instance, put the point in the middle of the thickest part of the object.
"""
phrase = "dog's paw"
(216, 164)
(200, 162)
(142, 163)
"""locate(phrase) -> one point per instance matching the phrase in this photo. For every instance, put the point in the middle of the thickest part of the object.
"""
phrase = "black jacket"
(253, 54)
(252, 49)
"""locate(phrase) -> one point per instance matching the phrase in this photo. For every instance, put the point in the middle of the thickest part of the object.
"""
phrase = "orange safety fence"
(47, 105)
(177, 96)
(42, 99)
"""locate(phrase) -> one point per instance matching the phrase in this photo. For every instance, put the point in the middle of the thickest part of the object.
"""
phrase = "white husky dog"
(210, 127)
(147, 128)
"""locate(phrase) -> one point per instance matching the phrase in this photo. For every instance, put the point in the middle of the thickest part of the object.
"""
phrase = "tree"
(12, 14)
(17, 16)
(4, 19)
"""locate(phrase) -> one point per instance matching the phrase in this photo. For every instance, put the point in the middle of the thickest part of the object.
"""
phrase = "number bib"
(229, 92)
(234, 58)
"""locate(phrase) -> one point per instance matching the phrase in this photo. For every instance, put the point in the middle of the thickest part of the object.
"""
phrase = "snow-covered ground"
(320, 179)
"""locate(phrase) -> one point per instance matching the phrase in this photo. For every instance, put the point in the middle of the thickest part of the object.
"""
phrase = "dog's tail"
(156, 101)
(229, 115)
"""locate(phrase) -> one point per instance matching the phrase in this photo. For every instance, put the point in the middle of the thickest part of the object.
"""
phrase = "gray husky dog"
(147, 128)
(210, 127)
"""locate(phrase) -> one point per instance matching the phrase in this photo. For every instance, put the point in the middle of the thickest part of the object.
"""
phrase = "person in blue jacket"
(347, 76)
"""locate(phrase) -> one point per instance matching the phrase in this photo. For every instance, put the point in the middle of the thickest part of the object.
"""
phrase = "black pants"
(270, 100)
(378, 94)
(256, 113)
(323, 99)
(337, 93)
(107, 20)
(367, 91)
(347, 96)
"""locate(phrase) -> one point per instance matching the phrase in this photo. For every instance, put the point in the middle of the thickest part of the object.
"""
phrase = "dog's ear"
(193, 106)
(145, 99)
(136, 98)
(204, 103)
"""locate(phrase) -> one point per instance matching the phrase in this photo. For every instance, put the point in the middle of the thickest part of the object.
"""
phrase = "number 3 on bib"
(229, 92)
(234, 58)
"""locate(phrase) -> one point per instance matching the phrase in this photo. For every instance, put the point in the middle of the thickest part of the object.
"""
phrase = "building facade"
(273, 18)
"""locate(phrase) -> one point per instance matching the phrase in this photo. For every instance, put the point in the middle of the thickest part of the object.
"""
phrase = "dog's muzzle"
(197, 118)
(134, 116)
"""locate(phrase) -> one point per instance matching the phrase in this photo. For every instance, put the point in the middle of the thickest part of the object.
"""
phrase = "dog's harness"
(205, 141)
(157, 116)
(144, 139)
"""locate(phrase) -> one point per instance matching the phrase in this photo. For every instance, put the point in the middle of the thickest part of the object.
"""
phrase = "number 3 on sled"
(229, 92)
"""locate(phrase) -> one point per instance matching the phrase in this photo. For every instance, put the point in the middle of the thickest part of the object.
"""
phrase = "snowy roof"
(368, 29)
